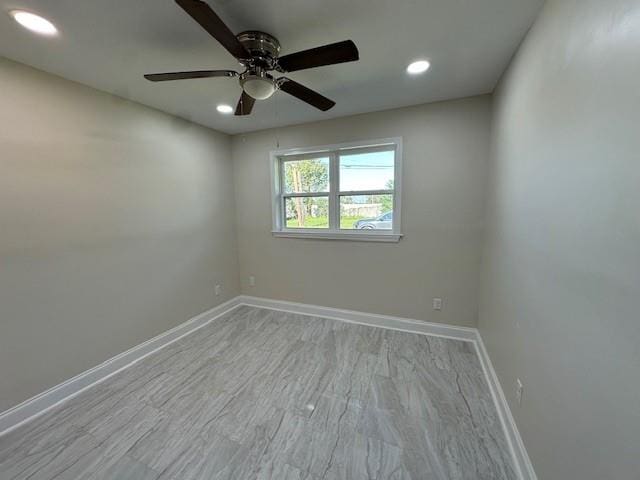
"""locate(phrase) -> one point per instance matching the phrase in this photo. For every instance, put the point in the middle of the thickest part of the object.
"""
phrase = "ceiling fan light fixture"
(258, 86)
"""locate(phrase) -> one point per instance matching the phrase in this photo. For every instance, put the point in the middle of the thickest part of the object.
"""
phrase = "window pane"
(306, 176)
(367, 171)
(366, 212)
(307, 212)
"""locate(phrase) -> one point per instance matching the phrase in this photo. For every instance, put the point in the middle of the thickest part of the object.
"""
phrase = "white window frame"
(279, 157)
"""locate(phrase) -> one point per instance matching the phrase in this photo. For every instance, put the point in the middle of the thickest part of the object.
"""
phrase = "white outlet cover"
(218, 289)
(437, 304)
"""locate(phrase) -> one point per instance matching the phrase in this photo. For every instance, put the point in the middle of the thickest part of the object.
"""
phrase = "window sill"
(346, 235)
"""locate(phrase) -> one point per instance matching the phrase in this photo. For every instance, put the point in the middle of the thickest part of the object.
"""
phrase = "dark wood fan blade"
(245, 104)
(163, 77)
(207, 18)
(317, 57)
(305, 94)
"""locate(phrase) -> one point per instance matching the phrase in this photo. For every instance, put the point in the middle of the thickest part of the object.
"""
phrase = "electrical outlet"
(519, 388)
(252, 281)
(218, 290)
(437, 304)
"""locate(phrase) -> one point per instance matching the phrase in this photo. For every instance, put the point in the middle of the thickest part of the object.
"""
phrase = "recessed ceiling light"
(222, 108)
(34, 22)
(419, 66)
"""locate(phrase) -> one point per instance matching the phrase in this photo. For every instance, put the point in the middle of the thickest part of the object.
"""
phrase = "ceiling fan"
(259, 52)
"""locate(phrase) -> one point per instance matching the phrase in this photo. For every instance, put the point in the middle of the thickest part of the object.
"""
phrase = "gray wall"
(116, 222)
(446, 148)
(561, 275)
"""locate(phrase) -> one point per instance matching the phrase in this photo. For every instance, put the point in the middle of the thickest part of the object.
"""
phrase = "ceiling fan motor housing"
(263, 48)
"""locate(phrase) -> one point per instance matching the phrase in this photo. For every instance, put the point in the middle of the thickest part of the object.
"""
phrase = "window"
(349, 191)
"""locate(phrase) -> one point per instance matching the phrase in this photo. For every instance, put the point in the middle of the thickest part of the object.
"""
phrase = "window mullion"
(334, 184)
(306, 195)
(355, 193)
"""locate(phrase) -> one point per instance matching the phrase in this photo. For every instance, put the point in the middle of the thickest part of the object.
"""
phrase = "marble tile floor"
(261, 394)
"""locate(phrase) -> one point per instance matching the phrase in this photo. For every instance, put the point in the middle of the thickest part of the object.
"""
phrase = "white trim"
(45, 401)
(41, 403)
(276, 191)
(380, 142)
(521, 460)
(397, 188)
(279, 228)
(362, 318)
(340, 235)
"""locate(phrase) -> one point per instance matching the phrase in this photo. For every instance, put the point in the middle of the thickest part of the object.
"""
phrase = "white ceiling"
(110, 44)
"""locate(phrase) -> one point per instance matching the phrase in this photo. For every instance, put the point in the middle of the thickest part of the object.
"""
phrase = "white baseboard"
(370, 319)
(524, 467)
(45, 401)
